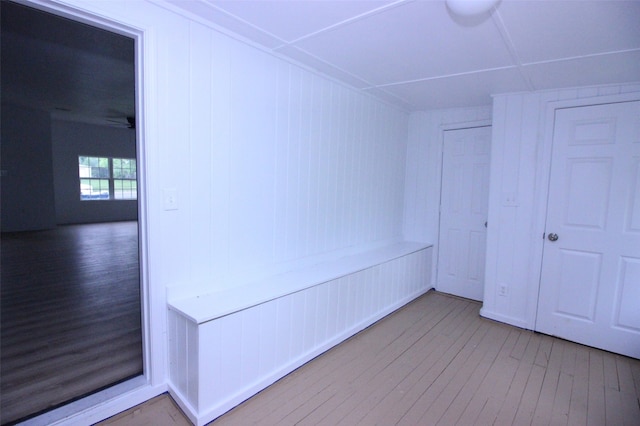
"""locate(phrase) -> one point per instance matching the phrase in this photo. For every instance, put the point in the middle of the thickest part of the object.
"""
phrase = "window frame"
(108, 186)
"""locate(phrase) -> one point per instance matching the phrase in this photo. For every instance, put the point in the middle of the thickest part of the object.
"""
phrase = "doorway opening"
(71, 316)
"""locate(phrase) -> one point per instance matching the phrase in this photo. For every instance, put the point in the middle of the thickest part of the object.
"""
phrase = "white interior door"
(590, 281)
(463, 212)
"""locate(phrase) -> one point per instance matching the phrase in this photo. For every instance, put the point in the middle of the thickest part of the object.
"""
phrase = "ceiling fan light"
(470, 7)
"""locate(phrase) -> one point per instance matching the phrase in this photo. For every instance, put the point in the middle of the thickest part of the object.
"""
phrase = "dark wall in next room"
(71, 139)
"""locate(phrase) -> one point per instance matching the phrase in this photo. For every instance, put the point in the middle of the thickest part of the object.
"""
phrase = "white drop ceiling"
(412, 53)
(417, 54)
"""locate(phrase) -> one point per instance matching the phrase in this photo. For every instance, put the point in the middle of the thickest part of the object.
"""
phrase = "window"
(125, 186)
(104, 178)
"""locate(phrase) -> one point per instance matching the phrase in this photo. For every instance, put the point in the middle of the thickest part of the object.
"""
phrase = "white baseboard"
(517, 322)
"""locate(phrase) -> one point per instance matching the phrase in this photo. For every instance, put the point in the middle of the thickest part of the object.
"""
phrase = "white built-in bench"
(228, 345)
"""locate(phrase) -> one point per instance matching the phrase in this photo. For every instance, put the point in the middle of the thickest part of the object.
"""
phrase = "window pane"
(93, 167)
(124, 168)
(85, 171)
(125, 189)
(94, 189)
(100, 172)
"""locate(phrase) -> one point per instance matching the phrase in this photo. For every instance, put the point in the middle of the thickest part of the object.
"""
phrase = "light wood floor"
(436, 362)
(70, 315)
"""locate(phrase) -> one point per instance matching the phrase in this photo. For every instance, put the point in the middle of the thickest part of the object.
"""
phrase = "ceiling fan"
(128, 122)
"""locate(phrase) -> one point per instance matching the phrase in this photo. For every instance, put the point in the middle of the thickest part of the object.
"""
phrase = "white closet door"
(463, 212)
(590, 281)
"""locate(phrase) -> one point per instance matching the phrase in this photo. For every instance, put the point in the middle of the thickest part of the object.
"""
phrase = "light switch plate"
(170, 199)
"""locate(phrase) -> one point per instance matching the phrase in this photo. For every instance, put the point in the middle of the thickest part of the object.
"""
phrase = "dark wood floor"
(70, 315)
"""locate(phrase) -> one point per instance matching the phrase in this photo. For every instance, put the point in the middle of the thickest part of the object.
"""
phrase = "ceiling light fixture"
(470, 7)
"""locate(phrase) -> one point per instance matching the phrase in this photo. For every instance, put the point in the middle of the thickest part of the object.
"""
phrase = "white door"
(590, 282)
(463, 212)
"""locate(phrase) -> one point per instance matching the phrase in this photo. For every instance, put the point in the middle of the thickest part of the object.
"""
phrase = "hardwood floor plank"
(562, 400)
(542, 413)
(521, 346)
(421, 340)
(629, 399)
(497, 381)
(391, 374)
(389, 398)
(158, 411)
(426, 405)
(463, 378)
(630, 408)
(546, 400)
(70, 314)
(613, 407)
(596, 414)
(544, 353)
(610, 372)
(379, 359)
(532, 347)
(625, 374)
(569, 359)
(557, 353)
(480, 375)
(495, 402)
(410, 360)
(580, 389)
(426, 370)
(513, 395)
(530, 396)
(635, 373)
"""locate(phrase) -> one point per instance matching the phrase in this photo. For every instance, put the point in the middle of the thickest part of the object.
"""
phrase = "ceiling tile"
(459, 91)
(602, 69)
(204, 11)
(544, 30)
(290, 19)
(411, 41)
(323, 67)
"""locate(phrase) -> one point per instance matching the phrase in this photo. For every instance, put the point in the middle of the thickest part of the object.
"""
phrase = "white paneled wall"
(218, 359)
(520, 161)
(276, 163)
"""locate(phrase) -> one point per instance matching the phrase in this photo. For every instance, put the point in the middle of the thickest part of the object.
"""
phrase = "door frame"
(117, 398)
(445, 128)
(543, 180)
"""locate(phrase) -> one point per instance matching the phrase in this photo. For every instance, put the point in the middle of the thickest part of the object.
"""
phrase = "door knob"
(553, 237)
